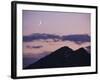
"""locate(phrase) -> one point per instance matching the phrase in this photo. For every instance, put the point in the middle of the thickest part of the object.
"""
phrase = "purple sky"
(55, 22)
(52, 23)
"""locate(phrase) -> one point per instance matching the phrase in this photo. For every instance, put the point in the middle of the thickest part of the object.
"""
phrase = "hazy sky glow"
(43, 33)
(55, 22)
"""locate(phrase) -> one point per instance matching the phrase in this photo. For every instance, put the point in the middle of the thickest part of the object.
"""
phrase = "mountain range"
(63, 57)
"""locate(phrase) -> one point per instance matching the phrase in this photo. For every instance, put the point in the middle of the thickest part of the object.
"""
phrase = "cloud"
(38, 36)
(77, 38)
(34, 46)
(30, 58)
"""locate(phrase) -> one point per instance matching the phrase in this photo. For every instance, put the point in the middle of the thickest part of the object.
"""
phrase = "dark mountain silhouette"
(88, 48)
(63, 57)
(80, 57)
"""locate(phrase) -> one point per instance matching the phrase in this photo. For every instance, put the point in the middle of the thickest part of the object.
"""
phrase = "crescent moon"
(40, 23)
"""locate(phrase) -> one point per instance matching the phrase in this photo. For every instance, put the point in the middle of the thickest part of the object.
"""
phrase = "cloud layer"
(36, 47)
(77, 38)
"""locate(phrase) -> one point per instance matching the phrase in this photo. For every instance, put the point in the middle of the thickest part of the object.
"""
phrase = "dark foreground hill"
(63, 57)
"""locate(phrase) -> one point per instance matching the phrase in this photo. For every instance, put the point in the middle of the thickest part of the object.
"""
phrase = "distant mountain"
(80, 57)
(63, 57)
(57, 58)
(88, 48)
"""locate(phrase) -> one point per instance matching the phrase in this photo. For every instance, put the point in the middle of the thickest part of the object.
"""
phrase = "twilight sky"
(45, 32)
(55, 22)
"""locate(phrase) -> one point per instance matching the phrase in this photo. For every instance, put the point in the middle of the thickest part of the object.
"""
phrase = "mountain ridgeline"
(63, 57)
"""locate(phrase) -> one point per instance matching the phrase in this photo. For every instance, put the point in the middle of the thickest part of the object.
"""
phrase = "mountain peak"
(65, 48)
(88, 49)
(81, 50)
(63, 57)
